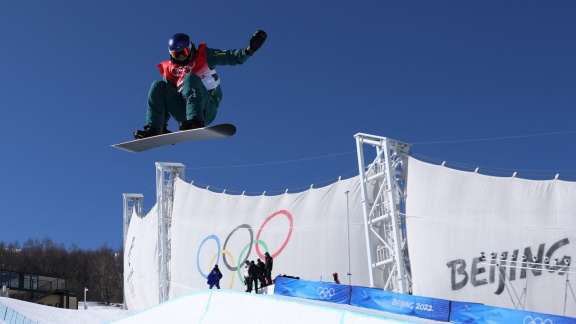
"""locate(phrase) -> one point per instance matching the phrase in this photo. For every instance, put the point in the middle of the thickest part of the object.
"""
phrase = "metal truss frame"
(383, 192)
(131, 202)
(166, 175)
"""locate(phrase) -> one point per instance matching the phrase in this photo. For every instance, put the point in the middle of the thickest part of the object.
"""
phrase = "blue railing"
(424, 307)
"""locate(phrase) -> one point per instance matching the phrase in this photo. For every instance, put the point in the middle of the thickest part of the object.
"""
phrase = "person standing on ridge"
(214, 277)
(268, 264)
(336, 280)
(247, 277)
(190, 90)
(253, 273)
(262, 273)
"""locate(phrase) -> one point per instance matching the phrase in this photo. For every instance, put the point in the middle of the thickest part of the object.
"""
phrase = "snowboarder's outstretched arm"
(236, 56)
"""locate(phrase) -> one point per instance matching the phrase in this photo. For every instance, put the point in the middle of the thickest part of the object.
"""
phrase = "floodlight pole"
(349, 274)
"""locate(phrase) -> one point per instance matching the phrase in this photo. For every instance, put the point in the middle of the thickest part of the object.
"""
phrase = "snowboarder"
(190, 91)
(214, 277)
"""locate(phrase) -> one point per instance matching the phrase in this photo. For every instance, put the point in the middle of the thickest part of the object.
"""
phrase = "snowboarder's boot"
(150, 131)
(190, 124)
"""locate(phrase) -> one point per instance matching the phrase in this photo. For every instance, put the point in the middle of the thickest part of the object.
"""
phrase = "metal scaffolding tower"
(132, 203)
(166, 175)
(383, 191)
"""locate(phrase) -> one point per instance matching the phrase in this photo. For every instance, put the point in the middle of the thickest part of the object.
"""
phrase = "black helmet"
(180, 46)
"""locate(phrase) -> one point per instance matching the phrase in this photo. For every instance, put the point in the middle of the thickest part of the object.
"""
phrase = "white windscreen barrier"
(141, 288)
(453, 216)
(305, 233)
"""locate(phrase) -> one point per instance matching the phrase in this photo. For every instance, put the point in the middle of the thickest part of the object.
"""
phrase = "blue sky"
(489, 84)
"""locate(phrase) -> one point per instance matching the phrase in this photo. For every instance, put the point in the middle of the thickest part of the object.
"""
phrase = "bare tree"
(106, 275)
(100, 270)
(11, 256)
(78, 266)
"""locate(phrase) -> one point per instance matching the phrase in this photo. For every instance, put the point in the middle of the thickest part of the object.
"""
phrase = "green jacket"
(228, 57)
(215, 57)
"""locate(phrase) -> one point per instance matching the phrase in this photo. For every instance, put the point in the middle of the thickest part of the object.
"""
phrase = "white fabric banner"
(305, 233)
(453, 216)
(141, 288)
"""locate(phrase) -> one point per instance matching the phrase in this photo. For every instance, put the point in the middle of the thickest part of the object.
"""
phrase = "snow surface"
(213, 306)
(94, 314)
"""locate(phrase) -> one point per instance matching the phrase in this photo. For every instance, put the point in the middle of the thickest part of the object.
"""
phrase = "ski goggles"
(180, 55)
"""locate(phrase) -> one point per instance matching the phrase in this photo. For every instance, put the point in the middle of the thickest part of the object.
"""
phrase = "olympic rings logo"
(325, 293)
(228, 258)
(181, 70)
(536, 320)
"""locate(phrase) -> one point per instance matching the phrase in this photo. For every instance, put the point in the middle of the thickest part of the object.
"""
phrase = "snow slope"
(94, 314)
(214, 306)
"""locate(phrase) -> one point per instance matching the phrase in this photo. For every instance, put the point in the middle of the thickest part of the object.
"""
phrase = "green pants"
(194, 101)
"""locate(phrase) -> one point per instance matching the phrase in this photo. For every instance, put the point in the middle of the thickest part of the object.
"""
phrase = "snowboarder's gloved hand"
(256, 42)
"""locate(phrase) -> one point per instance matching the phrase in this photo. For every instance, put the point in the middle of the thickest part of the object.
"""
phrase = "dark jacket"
(214, 276)
(253, 271)
(268, 263)
(261, 267)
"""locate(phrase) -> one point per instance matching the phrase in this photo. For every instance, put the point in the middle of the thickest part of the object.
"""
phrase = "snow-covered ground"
(94, 314)
(212, 306)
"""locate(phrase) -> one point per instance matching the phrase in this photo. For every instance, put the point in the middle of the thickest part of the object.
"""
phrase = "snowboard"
(148, 143)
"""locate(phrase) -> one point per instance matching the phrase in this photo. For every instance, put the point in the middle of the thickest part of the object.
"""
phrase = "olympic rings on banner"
(246, 251)
(242, 252)
(231, 268)
(290, 219)
(325, 293)
(217, 240)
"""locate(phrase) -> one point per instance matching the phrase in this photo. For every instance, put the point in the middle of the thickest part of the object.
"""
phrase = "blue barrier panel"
(423, 307)
(323, 291)
(477, 313)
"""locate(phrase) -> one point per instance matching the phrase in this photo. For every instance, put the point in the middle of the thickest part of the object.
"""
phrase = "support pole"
(85, 290)
(349, 273)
